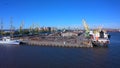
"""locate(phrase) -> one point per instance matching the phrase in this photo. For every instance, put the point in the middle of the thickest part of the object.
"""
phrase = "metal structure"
(86, 27)
(1, 31)
(11, 27)
(34, 28)
(21, 27)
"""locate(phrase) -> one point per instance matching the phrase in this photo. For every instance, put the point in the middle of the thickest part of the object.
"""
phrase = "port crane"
(34, 27)
(21, 27)
(86, 27)
(1, 31)
(98, 37)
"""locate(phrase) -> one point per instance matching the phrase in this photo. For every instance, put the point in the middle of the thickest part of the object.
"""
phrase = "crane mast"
(86, 27)
(21, 27)
(1, 31)
(11, 27)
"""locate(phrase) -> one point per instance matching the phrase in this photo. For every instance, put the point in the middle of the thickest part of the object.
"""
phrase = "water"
(24, 56)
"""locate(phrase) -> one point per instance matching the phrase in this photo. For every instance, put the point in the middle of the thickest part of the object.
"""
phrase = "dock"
(53, 41)
(55, 44)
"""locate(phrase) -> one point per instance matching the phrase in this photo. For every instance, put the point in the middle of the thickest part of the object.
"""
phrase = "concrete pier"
(57, 44)
(58, 41)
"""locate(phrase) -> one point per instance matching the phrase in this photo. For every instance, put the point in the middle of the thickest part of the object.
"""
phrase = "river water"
(24, 56)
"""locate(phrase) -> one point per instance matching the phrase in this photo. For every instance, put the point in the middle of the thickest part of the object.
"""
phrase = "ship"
(8, 40)
(98, 37)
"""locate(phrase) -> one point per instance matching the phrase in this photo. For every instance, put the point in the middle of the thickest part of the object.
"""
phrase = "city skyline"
(61, 13)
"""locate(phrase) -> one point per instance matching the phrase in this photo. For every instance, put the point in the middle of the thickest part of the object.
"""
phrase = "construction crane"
(86, 27)
(1, 31)
(34, 28)
(21, 27)
(11, 27)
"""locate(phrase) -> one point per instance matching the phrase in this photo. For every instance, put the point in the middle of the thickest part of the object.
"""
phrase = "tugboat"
(98, 37)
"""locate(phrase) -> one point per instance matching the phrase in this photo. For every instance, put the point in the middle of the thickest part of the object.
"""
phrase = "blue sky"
(61, 13)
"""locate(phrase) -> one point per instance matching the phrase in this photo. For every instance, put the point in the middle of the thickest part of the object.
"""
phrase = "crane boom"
(86, 26)
(87, 30)
(21, 27)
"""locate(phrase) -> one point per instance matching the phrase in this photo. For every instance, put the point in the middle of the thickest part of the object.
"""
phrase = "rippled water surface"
(24, 56)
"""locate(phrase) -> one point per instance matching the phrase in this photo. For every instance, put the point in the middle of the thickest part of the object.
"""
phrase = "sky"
(61, 13)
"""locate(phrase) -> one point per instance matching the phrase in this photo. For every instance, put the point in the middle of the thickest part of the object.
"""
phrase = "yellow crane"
(31, 29)
(86, 27)
(21, 27)
(34, 28)
(37, 28)
(1, 30)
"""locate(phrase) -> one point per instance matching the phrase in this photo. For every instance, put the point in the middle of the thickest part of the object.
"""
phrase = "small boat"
(8, 40)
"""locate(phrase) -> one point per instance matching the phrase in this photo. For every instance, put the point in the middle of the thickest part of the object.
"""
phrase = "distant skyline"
(61, 13)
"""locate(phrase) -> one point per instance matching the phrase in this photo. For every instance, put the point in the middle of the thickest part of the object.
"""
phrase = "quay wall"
(58, 41)
(57, 44)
